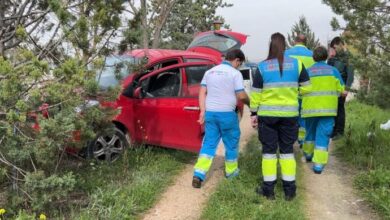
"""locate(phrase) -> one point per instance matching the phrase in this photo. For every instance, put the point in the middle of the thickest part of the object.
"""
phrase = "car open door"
(167, 108)
(217, 43)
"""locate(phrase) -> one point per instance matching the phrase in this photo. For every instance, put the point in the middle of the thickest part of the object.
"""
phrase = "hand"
(254, 121)
(344, 94)
(201, 118)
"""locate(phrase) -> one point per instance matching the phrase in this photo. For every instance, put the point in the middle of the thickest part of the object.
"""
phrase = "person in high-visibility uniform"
(274, 110)
(221, 87)
(319, 109)
(302, 53)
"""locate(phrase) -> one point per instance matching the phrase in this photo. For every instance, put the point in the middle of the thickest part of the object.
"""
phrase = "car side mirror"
(137, 93)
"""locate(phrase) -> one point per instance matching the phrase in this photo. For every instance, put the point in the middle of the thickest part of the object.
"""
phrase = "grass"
(124, 189)
(236, 199)
(367, 147)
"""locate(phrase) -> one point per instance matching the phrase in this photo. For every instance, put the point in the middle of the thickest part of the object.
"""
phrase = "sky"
(260, 19)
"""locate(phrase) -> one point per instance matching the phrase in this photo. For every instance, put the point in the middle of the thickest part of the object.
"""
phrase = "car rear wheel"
(109, 146)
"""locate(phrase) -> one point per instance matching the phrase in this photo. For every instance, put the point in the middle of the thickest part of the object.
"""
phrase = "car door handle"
(191, 108)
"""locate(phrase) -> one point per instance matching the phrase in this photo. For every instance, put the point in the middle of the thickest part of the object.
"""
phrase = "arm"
(350, 76)
(202, 99)
(340, 82)
(239, 88)
(255, 94)
(305, 86)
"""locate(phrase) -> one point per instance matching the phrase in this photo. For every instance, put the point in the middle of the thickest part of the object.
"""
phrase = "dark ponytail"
(277, 47)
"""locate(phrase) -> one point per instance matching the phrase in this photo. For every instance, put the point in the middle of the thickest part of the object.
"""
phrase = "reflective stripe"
(286, 156)
(323, 93)
(254, 109)
(200, 171)
(321, 148)
(269, 178)
(305, 83)
(334, 111)
(309, 142)
(206, 156)
(253, 89)
(280, 85)
(231, 161)
(279, 108)
(288, 178)
(269, 156)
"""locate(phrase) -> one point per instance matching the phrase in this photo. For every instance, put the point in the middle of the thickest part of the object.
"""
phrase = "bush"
(367, 147)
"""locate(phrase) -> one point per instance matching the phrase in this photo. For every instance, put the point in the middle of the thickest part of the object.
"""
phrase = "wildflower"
(42, 217)
(2, 211)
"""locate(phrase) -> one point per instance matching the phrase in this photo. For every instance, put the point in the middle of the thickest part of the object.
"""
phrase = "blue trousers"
(318, 132)
(219, 125)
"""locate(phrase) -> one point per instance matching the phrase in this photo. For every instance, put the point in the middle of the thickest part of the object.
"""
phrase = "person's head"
(320, 54)
(277, 47)
(300, 39)
(337, 43)
(236, 57)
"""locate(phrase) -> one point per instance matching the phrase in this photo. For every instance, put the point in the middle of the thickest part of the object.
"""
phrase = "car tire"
(109, 145)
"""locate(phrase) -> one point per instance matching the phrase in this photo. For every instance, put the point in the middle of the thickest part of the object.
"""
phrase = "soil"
(181, 201)
(330, 195)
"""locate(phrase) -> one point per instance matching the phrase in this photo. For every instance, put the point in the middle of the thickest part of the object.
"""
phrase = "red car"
(159, 106)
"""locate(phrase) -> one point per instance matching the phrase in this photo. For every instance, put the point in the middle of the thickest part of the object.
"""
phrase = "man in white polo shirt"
(221, 87)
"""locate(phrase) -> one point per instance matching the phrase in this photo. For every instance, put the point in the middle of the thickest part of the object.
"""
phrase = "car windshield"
(216, 41)
(115, 68)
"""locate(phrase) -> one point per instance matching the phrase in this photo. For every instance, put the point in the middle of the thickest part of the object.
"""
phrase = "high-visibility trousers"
(274, 133)
(219, 125)
(318, 132)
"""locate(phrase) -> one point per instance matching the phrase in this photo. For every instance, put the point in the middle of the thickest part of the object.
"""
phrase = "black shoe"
(308, 160)
(317, 172)
(268, 195)
(289, 197)
(196, 182)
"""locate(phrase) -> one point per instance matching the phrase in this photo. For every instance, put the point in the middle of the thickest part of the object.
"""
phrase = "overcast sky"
(261, 18)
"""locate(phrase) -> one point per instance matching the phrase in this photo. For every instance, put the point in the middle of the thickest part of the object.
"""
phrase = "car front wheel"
(109, 145)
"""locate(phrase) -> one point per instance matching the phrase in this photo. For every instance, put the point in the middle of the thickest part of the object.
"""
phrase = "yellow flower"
(42, 217)
(2, 211)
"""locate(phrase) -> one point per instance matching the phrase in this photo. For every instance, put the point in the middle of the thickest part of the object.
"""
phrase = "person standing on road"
(319, 109)
(221, 87)
(302, 53)
(339, 58)
(274, 110)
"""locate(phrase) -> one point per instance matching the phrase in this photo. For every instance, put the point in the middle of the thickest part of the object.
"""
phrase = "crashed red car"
(159, 106)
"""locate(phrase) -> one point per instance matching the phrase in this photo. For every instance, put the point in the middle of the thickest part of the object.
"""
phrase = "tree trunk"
(165, 11)
(2, 26)
(144, 23)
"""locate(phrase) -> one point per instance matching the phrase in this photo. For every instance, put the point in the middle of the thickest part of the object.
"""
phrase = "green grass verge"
(236, 199)
(367, 147)
(127, 188)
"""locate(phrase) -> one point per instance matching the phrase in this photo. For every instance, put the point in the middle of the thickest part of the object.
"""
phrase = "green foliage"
(366, 147)
(367, 30)
(301, 27)
(236, 199)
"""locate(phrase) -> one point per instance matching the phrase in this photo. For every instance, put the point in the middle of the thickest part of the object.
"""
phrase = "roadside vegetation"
(236, 199)
(367, 147)
(122, 190)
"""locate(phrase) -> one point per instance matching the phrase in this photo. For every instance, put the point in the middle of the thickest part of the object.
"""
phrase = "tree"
(301, 27)
(368, 31)
(170, 23)
(55, 71)
(191, 17)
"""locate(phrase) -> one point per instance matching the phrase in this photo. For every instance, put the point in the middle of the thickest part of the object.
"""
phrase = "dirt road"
(331, 195)
(181, 201)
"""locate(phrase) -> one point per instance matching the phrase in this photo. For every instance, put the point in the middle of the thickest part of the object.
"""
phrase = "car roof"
(157, 54)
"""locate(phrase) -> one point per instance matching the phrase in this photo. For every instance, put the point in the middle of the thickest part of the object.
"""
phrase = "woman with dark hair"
(274, 109)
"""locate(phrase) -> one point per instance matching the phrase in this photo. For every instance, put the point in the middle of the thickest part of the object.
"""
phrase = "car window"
(115, 68)
(163, 64)
(194, 60)
(194, 75)
(218, 42)
(165, 84)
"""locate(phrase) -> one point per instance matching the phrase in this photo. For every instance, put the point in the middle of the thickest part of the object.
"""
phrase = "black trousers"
(278, 133)
(339, 125)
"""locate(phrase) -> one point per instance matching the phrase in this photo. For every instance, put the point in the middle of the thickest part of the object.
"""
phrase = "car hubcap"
(108, 148)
